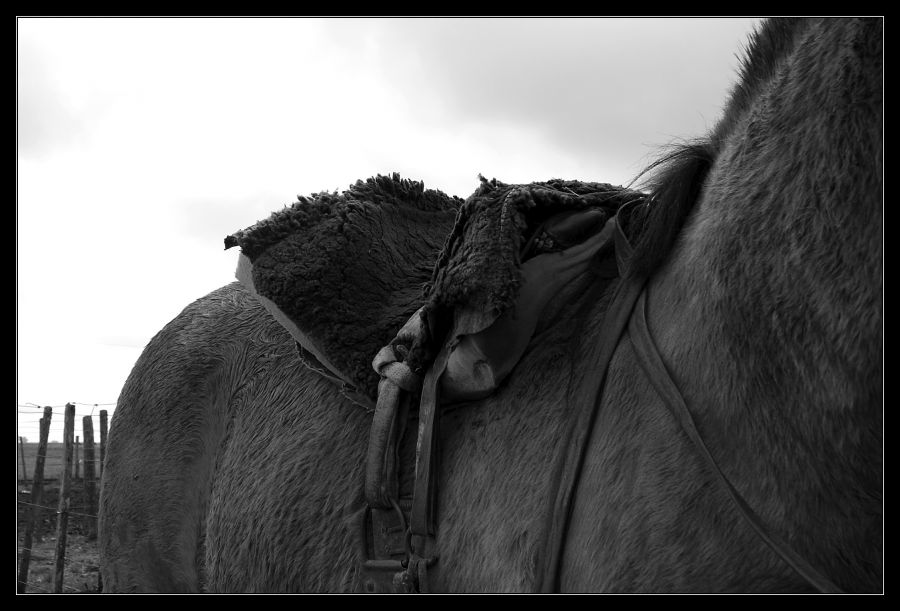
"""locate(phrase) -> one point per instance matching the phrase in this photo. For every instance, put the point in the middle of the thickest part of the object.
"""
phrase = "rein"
(629, 310)
(396, 536)
(658, 375)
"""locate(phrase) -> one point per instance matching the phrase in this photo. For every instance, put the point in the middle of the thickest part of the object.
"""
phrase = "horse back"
(169, 423)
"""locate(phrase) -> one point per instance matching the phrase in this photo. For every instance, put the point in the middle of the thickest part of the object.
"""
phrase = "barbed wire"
(29, 418)
(76, 511)
(38, 551)
(35, 429)
(59, 454)
(75, 403)
(56, 509)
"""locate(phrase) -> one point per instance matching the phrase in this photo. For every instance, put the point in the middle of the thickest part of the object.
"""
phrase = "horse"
(232, 467)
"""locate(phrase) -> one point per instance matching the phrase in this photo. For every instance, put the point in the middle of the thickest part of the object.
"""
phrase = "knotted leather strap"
(397, 382)
(382, 523)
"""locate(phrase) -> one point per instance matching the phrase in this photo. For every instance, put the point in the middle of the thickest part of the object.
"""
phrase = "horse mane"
(678, 176)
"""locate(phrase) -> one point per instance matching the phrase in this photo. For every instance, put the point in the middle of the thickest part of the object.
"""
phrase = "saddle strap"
(422, 516)
(388, 424)
(574, 447)
(398, 382)
(658, 374)
(382, 532)
(587, 398)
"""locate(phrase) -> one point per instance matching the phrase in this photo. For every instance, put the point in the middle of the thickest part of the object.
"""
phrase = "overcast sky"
(142, 143)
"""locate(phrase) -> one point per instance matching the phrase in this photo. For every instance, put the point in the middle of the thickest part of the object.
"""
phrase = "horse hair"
(232, 467)
(678, 176)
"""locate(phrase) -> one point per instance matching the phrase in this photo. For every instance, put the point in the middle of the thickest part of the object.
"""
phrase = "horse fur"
(243, 471)
(782, 324)
(283, 518)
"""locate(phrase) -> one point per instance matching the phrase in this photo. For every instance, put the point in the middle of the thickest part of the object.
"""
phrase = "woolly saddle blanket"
(344, 271)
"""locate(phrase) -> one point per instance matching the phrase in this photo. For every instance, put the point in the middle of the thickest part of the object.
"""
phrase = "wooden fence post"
(90, 484)
(77, 460)
(62, 524)
(40, 464)
(103, 429)
(37, 489)
(22, 454)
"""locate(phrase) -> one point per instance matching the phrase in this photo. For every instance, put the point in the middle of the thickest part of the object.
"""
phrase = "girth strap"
(658, 374)
(586, 398)
(574, 448)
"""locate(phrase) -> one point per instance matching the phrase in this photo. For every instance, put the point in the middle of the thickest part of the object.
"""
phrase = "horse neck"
(769, 310)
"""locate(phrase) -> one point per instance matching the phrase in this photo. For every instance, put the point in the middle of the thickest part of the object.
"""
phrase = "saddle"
(343, 271)
(340, 272)
(465, 282)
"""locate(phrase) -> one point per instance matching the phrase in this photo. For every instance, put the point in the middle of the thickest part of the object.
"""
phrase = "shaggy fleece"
(480, 265)
(349, 269)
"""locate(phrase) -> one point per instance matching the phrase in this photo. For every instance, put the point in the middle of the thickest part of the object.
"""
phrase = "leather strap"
(381, 461)
(395, 389)
(619, 315)
(383, 522)
(624, 249)
(422, 517)
(398, 382)
(586, 399)
(658, 374)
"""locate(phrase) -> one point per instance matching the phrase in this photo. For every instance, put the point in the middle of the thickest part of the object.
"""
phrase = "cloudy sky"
(142, 143)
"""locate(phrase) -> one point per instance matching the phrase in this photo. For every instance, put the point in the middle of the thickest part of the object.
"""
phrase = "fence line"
(55, 510)
(65, 509)
(36, 406)
(62, 528)
(28, 427)
(28, 415)
(37, 486)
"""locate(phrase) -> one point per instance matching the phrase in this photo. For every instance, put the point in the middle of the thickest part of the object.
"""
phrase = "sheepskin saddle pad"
(344, 272)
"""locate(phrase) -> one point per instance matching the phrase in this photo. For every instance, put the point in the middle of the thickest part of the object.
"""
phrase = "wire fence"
(28, 425)
(75, 570)
(28, 418)
(78, 462)
(56, 510)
